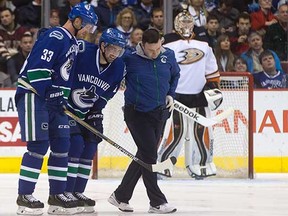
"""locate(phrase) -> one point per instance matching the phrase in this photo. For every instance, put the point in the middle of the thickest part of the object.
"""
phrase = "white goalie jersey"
(197, 63)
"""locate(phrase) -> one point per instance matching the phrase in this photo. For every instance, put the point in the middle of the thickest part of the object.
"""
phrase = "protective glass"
(89, 27)
(115, 50)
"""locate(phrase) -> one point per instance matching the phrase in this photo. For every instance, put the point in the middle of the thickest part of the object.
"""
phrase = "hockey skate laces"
(31, 198)
(70, 196)
(63, 198)
(82, 196)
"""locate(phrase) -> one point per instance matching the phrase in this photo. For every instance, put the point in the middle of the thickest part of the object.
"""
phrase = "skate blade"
(88, 209)
(29, 211)
(58, 210)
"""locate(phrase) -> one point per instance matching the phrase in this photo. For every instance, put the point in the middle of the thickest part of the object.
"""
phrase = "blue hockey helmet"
(114, 37)
(86, 13)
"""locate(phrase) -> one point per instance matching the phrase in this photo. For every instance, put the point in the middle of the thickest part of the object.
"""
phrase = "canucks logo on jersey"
(85, 98)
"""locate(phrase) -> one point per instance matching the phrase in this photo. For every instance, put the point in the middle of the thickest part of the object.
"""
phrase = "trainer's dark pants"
(146, 128)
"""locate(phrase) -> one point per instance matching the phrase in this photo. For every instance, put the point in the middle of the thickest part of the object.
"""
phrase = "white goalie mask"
(214, 98)
(184, 24)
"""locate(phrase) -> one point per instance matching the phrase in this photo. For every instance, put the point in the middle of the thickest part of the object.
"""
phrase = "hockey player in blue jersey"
(97, 77)
(42, 88)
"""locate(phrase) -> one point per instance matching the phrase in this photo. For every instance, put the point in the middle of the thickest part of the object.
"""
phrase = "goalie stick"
(200, 118)
(166, 166)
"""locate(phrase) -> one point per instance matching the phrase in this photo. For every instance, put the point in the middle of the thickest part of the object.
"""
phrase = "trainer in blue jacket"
(151, 80)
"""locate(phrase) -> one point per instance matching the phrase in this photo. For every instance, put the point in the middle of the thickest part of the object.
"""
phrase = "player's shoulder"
(54, 35)
(171, 37)
(168, 51)
(85, 45)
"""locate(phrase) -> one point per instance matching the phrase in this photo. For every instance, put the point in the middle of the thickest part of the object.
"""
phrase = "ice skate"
(88, 203)
(80, 203)
(29, 205)
(61, 205)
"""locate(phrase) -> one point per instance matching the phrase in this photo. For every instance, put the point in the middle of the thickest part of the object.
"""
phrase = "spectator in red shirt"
(238, 39)
(263, 18)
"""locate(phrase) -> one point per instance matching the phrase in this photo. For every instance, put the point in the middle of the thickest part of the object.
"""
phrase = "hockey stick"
(200, 118)
(166, 165)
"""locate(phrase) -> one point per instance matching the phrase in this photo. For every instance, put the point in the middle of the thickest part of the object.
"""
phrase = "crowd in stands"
(237, 31)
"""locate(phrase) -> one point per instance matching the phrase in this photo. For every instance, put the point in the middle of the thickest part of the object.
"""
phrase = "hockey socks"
(83, 175)
(73, 164)
(29, 172)
(57, 172)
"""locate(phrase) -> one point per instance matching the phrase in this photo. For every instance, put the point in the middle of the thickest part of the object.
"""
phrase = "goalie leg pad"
(171, 145)
(199, 148)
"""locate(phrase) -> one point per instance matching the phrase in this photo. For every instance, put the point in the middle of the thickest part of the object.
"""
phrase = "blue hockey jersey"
(92, 87)
(264, 80)
(50, 61)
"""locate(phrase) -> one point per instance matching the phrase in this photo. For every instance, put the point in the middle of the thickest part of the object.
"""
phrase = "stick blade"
(225, 114)
(166, 167)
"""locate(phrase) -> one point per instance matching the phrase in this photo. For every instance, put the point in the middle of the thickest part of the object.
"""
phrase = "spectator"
(212, 33)
(226, 15)
(276, 35)
(197, 9)
(157, 20)
(107, 12)
(136, 37)
(239, 65)
(270, 77)
(29, 15)
(10, 31)
(255, 49)
(143, 13)
(262, 18)
(125, 22)
(223, 54)
(15, 63)
(54, 18)
(238, 39)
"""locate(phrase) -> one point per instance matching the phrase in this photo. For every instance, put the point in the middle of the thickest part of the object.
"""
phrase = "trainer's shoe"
(125, 207)
(80, 203)
(29, 205)
(60, 204)
(162, 209)
(88, 203)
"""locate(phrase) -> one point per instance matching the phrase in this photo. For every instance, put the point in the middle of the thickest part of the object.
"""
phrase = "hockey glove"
(54, 100)
(169, 103)
(95, 120)
(214, 98)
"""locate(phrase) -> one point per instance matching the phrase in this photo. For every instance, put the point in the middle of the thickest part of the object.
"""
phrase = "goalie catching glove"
(214, 98)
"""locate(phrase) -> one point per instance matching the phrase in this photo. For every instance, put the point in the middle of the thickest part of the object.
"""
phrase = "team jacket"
(91, 87)
(50, 62)
(149, 81)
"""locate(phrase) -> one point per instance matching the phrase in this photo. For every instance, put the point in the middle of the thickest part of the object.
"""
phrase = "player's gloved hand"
(169, 103)
(54, 100)
(94, 119)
